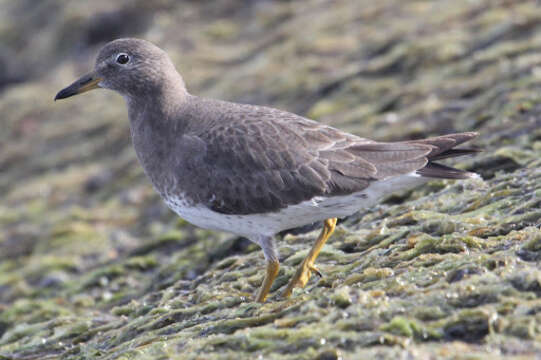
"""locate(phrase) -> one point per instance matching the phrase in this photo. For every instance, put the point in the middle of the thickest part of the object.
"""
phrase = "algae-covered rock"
(93, 265)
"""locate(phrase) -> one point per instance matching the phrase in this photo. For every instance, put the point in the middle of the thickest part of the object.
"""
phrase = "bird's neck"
(160, 106)
(155, 124)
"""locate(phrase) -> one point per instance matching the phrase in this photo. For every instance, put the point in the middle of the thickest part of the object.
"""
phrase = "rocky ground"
(93, 266)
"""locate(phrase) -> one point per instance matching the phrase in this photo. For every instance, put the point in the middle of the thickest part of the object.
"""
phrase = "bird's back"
(242, 159)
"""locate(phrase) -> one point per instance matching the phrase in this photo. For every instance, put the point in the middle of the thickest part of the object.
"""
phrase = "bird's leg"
(272, 272)
(304, 271)
(273, 265)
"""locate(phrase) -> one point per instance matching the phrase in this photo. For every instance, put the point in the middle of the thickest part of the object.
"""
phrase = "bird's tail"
(443, 148)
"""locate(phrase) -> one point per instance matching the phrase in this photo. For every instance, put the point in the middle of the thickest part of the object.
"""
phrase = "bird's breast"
(155, 154)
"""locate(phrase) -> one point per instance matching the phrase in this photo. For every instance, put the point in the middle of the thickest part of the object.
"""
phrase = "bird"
(250, 170)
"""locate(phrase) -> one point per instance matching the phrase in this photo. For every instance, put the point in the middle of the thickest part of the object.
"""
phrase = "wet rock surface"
(93, 266)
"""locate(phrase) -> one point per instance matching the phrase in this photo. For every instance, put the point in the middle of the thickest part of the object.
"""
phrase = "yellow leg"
(304, 271)
(272, 272)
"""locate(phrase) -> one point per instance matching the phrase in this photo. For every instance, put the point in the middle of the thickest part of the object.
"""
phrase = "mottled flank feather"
(243, 159)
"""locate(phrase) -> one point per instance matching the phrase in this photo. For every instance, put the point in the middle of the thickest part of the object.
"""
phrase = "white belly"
(307, 212)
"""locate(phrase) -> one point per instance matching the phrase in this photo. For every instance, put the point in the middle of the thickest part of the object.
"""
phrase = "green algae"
(409, 328)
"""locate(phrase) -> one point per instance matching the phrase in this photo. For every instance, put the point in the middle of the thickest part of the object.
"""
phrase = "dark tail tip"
(439, 171)
(454, 153)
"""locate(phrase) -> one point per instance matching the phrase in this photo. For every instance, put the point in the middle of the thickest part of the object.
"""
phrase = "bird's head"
(132, 67)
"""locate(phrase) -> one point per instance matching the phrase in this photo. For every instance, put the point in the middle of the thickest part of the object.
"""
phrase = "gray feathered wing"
(273, 159)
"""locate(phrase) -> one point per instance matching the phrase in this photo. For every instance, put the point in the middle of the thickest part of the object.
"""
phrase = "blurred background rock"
(92, 264)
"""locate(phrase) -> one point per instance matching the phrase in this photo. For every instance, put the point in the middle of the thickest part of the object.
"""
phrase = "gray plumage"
(253, 170)
(244, 159)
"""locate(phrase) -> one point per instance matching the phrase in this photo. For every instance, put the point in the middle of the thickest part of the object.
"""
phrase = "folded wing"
(268, 159)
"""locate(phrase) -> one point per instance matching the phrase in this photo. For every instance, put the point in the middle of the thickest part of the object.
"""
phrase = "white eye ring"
(122, 58)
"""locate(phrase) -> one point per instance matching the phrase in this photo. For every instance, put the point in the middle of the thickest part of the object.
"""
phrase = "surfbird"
(252, 170)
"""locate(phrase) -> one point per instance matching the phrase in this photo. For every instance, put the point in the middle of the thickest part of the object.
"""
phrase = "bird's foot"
(301, 277)
(272, 272)
(307, 267)
(316, 271)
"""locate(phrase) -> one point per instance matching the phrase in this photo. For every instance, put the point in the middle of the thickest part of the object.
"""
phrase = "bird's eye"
(122, 58)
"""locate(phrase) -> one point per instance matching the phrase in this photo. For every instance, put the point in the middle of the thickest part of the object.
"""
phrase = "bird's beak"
(84, 83)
